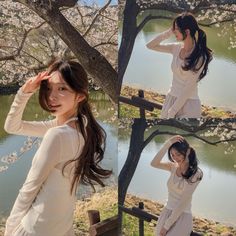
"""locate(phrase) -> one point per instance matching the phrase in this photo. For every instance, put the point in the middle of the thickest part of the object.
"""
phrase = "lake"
(214, 197)
(151, 70)
(12, 179)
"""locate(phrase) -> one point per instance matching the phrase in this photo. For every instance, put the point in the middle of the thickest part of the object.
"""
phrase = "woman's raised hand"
(32, 84)
(176, 138)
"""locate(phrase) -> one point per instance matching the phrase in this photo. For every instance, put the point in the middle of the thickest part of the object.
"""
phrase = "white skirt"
(182, 227)
(191, 108)
(20, 231)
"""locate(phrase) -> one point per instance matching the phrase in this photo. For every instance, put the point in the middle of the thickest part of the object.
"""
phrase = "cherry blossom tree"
(34, 32)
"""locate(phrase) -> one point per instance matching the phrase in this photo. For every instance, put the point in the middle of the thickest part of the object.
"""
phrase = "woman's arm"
(46, 158)
(156, 44)
(179, 209)
(157, 160)
(14, 123)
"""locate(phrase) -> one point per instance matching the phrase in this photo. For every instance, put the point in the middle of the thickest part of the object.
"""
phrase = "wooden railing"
(107, 227)
(140, 102)
(143, 216)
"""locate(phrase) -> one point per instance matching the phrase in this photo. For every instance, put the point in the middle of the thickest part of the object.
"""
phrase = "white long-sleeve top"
(44, 205)
(184, 83)
(179, 190)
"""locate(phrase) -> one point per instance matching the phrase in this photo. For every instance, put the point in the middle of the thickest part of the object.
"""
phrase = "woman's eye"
(61, 88)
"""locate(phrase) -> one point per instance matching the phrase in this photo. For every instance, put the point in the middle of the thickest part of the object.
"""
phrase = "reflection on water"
(12, 179)
(215, 195)
(151, 70)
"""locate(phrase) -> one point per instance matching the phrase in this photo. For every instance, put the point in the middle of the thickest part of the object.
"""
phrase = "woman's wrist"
(22, 92)
(169, 32)
(26, 90)
(168, 143)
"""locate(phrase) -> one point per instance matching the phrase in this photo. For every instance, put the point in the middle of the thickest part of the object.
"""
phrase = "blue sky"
(99, 2)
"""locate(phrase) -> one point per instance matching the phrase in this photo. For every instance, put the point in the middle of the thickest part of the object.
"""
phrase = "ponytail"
(201, 54)
(192, 161)
(190, 157)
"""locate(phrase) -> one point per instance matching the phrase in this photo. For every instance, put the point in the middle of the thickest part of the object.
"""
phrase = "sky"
(99, 2)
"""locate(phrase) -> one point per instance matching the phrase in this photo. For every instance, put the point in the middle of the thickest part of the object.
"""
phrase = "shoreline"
(201, 225)
(105, 200)
(128, 110)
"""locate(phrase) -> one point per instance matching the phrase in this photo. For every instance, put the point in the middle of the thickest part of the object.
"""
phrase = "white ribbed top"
(44, 205)
(184, 83)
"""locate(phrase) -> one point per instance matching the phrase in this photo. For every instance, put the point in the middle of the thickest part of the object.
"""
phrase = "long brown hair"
(87, 164)
(183, 147)
(201, 54)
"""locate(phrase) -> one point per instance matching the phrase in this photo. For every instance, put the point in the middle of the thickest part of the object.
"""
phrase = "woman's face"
(176, 156)
(61, 98)
(177, 33)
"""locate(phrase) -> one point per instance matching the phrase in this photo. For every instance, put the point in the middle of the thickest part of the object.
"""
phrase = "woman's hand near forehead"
(32, 84)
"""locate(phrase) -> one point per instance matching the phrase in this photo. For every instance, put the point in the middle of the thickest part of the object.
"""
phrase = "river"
(150, 69)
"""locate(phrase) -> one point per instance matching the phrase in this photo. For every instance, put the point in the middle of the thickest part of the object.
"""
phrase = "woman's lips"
(54, 106)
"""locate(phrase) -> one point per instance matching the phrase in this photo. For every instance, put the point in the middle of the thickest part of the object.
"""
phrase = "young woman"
(189, 65)
(185, 175)
(72, 147)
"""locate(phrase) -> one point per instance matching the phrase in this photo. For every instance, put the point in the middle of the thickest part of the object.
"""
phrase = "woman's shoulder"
(173, 167)
(59, 131)
(176, 48)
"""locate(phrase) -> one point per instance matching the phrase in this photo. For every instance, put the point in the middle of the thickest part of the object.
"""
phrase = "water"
(12, 179)
(151, 70)
(214, 197)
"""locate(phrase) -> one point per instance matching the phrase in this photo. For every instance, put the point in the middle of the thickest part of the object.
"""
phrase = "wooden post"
(94, 217)
(141, 110)
(195, 234)
(107, 227)
(141, 222)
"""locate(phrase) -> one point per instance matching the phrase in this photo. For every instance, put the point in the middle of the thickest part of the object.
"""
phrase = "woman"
(72, 147)
(185, 175)
(189, 65)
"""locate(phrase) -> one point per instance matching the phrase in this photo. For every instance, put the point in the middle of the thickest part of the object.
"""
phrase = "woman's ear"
(80, 97)
(187, 32)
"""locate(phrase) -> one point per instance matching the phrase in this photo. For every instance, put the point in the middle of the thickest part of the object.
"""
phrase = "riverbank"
(131, 111)
(105, 200)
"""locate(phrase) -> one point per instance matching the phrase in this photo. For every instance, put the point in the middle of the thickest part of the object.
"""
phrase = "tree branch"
(157, 132)
(192, 125)
(105, 43)
(18, 51)
(148, 18)
(63, 3)
(95, 18)
(216, 22)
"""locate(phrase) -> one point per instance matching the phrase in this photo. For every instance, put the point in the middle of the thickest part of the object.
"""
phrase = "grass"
(106, 202)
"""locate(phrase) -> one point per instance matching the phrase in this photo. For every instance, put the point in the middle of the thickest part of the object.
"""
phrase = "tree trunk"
(129, 33)
(128, 170)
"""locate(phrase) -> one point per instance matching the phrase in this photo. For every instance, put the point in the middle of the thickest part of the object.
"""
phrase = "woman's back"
(54, 205)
